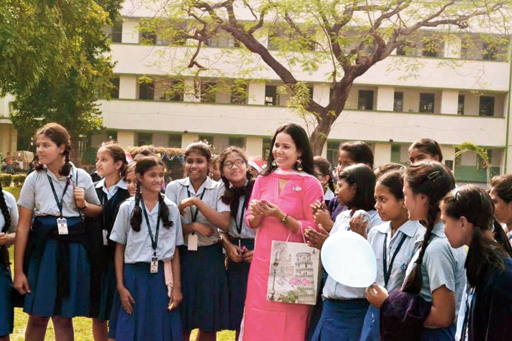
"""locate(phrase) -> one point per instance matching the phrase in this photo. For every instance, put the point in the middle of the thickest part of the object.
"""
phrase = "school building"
(453, 96)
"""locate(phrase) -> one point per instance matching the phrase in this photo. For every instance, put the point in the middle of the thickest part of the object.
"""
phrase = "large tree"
(54, 60)
(347, 36)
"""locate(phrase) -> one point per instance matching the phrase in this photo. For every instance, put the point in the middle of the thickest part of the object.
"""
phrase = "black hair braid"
(228, 195)
(5, 211)
(136, 219)
(164, 211)
(64, 170)
(501, 238)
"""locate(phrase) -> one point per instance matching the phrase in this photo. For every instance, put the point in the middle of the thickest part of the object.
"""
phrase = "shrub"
(6, 179)
(19, 179)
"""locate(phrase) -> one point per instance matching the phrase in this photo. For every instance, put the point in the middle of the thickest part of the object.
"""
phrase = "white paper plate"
(349, 259)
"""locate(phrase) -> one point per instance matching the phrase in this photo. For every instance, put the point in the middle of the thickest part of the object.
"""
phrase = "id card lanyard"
(154, 240)
(193, 241)
(62, 224)
(240, 226)
(104, 232)
(387, 270)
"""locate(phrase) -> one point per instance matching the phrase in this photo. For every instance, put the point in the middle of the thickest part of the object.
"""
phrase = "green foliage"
(471, 147)
(6, 179)
(18, 180)
(55, 60)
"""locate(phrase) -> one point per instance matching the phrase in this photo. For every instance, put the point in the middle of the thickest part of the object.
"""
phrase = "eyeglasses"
(239, 163)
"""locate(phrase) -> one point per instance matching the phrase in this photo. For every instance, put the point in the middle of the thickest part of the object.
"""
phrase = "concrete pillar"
(130, 31)
(385, 98)
(126, 138)
(254, 146)
(128, 87)
(187, 138)
(382, 154)
(160, 140)
(321, 94)
(449, 102)
(256, 93)
(452, 47)
(448, 152)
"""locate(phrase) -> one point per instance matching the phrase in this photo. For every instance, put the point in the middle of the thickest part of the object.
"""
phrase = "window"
(486, 106)
(147, 90)
(237, 141)
(208, 90)
(239, 93)
(207, 138)
(174, 91)
(148, 38)
(144, 139)
(117, 32)
(427, 103)
(267, 148)
(115, 92)
(396, 150)
(365, 101)
(398, 103)
(271, 97)
(489, 51)
(175, 140)
(431, 48)
(460, 106)
(111, 135)
(332, 153)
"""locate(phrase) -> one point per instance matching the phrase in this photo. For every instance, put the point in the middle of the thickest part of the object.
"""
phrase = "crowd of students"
(147, 261)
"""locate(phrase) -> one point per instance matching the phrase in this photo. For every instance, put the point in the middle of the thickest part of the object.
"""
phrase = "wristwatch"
(285, 218)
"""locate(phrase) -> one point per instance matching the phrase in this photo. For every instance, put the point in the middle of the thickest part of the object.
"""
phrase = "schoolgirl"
(147, 231)
(344, 307)
(436, 271)
(239, 241)
(130, 179)
(8, 222)
(425, 149)
(501, 194)
(324, 175)
(51, 265)
(393, 242)
(204, 277)
(468, 216)
(112, 191)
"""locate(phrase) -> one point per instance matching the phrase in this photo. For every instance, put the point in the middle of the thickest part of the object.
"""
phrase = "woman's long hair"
(434, 180)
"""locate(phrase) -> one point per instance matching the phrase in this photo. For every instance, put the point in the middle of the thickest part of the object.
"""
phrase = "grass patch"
(14, 191)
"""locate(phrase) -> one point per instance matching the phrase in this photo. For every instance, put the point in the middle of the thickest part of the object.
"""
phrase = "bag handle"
(302, 233)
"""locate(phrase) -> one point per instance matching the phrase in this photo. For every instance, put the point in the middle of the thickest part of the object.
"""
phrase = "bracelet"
(285, 218)
(85, 207)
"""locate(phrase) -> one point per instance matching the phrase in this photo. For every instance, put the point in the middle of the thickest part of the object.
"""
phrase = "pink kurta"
(266, 320)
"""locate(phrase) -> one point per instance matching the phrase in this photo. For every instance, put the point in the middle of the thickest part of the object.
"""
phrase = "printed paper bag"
(293, 274)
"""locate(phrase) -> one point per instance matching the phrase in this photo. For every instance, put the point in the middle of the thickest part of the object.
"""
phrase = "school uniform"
(103, 279)
(442, 265)
(150, 319)
(57, 264)
(242, 236)
(328, 196)
(6, 304)
(344, 307)
(203, 277)
(393, 255)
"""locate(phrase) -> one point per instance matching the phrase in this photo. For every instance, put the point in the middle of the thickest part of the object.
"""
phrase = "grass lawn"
(82, 325)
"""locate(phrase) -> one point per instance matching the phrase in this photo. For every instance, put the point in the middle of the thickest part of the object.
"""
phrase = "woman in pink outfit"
(280, 210)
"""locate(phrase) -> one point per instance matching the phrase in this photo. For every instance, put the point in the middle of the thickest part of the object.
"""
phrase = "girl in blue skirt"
(393, 242)
(8, 222)
(239, 241)
(204, 277)
(147, 230)
(112, 191)
(51, 265)
(436, 271)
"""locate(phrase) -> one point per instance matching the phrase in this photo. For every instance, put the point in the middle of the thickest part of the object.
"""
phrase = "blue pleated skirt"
(42, 278)
(341, 320)
(150, 320)
(107, 292)
(6, 307)
(204, 282)
(371, 326)
(114, 314)
(237, 284)
(439, 334)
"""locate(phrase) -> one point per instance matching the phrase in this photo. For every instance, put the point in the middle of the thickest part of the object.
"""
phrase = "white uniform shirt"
(442, 265)
(138, 244)
(247, 233)
(37, 194)
(411, 231)
(113, 189)
(211, 192)
(333, 289)
(10, 202)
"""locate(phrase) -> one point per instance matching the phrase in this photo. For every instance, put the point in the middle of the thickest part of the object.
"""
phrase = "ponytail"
(164, 211)
(501, 237)
(136, 219)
